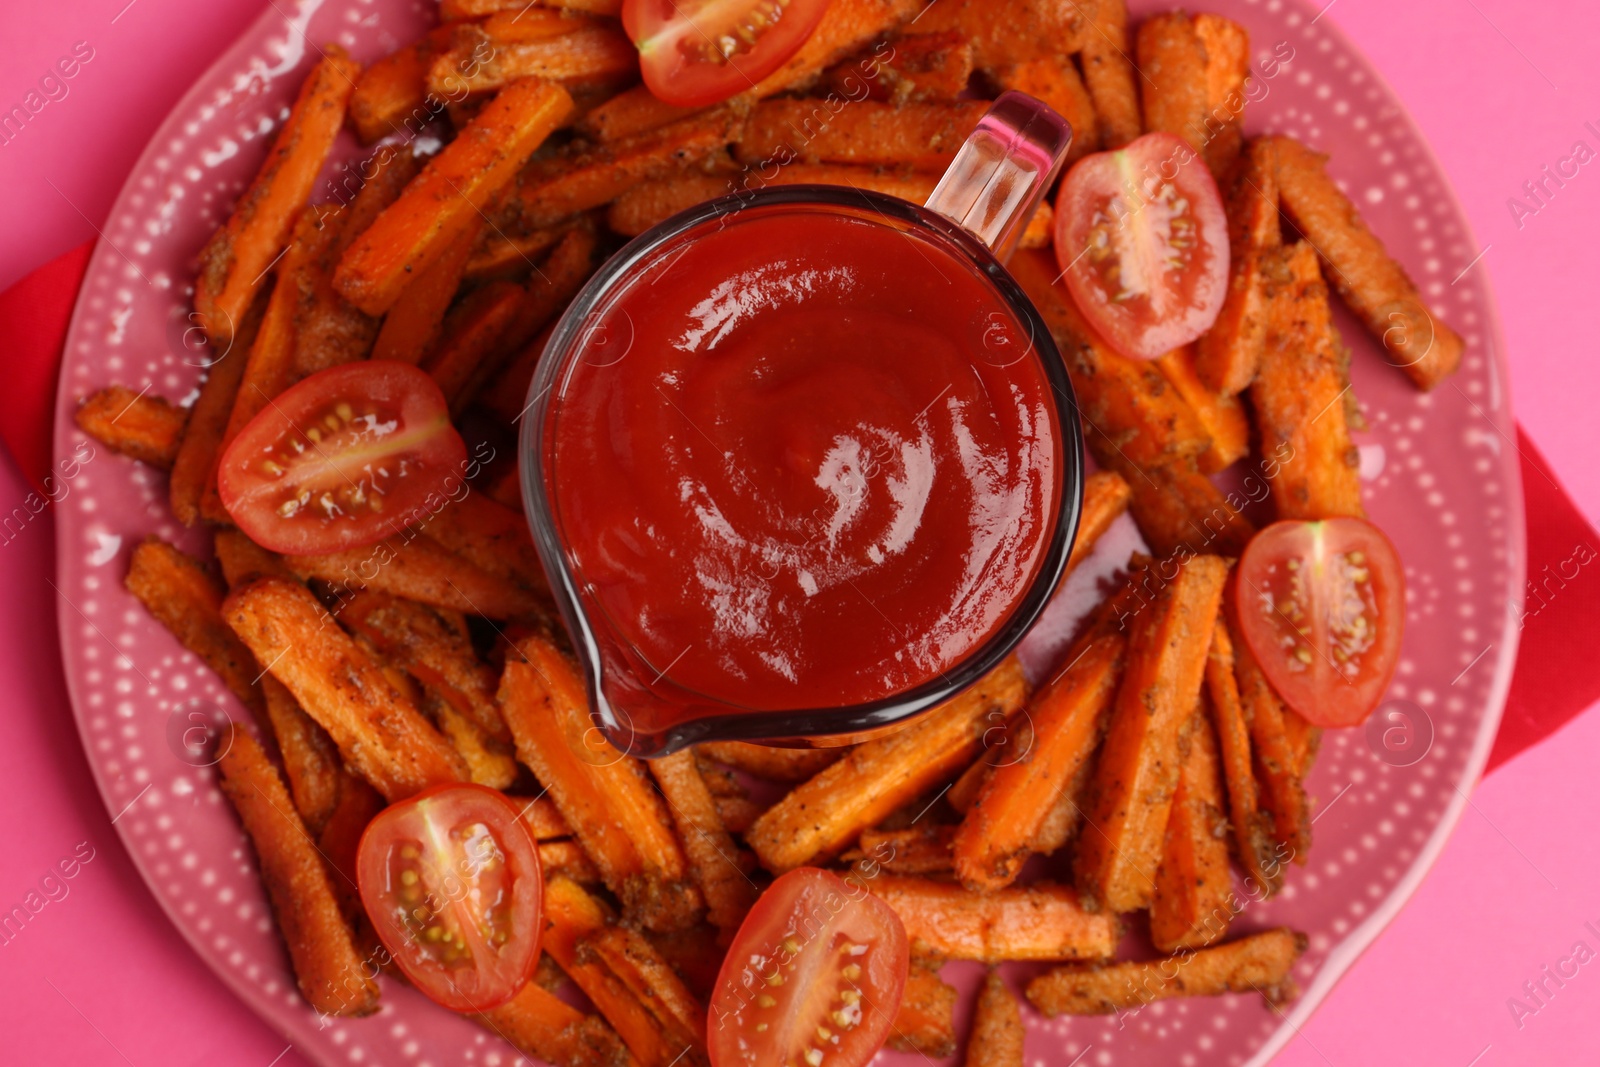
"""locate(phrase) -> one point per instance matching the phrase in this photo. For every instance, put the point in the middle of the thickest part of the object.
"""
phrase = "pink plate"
(1441, 479)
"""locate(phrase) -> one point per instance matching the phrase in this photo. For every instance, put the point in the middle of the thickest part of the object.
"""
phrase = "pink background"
(1500, 87)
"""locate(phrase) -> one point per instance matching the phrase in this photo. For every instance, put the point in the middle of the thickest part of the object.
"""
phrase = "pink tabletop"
(1500, 87)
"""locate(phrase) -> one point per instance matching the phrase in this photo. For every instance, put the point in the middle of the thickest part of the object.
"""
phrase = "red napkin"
(1557, 673)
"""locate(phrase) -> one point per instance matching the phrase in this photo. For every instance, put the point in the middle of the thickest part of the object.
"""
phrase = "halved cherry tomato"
(1322, 607)
(698, 52)
(1143, 240)
(814, 977)
(343, 459)
(450, 879)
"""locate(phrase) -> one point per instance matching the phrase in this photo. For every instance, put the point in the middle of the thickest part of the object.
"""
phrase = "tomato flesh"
(698, 52)
(343, 459)
(1322, 607)
(1143, 241)
(813, 979)
(450, 879)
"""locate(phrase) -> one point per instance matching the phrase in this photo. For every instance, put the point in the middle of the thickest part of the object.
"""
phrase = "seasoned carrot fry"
(694, 956)
(1178, 508)
(542, 818)
(419, 569)
(556, 189)
(1220, 414)
(242, 559)
(630, 112)
(925, 1022)
(914, 66)
(391, 95)
(195, 465)
(591, 55)
(867, 133)
(470, 333)
(820, 818)
(340, 839)
(572, 919)
(1105, 496)
(1283, 792)
(965, 789)
(502, 255)
(310, 758)
(997, 1031)
(845, 27)
(143, 427)
(1033, 922)
(1109, 73)
(651, 979)
(1304, 740)
(491, 537)
(379, 733)
(1227, 355)
(488, 761)
(1299, 396)
(1260, 962)
(414, 323)
(458, 10)
(1252, 828)
(1056, 81)
(543, 1026)
(237, 258)
(770, 762)
(1172, 61)
(439, 205)
(737, 813)
(1227, 47)
(533, 24)
(604, 796)
(1193, 901)
(329, 970)
(1004, 32)
(728, 891)
(921, 848)
(1377, 288)
(1068, 719)
(187, 600)
(1131, 793)
(568, 859)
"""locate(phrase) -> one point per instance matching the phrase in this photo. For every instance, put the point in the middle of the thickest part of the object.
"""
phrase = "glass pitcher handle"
(1003, 170)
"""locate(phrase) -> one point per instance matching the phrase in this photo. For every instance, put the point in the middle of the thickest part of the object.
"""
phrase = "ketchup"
(805, 460)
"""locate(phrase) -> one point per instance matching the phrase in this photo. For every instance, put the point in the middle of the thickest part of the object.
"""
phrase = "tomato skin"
(343, 459)
(466, 845)
(678, 42)
(1321, 606)
(1141, 235)
(816, 951)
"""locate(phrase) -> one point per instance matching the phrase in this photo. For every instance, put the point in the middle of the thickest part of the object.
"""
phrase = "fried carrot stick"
(1375, 287)
(1260, 962)
(1303, 738)
(340, 839)
(329, 970)
(921, 848)
(846, 26)
(237, 258)
(242, 559)
(1227, 48)
(1109, 73)
(1131, 792)
(925, 1022)
(728, 891)
(195, 465)
(592, 55)
(509, 256)
(470, 332)
(568, 859)
(420, 569)
(912, 67)
(379, 733)
(543, 1026)
(820, 818)
(1067, 718)
(437, 207)
(1221, 415)
(563, 186)
(310, 758)
(630, 112)
(1056, 81)
(648, 976)
(1176, 507)
(1227, 355)
(138, 425)
(1283, 792)
(542, 818)
(1004, 32)
(1299, 395)
(391, 95)
(997, 1031)
(491, 537)
(1033, 922)
(183, 597)
(1194, 897)
(771, 762)
(488, 760)
(1105, 496)
(1172, 61)
(413, 324)
(603, 795)
(459, 10)
(965, 789)
(865, 133)
(738, 814)
(1252, 828)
